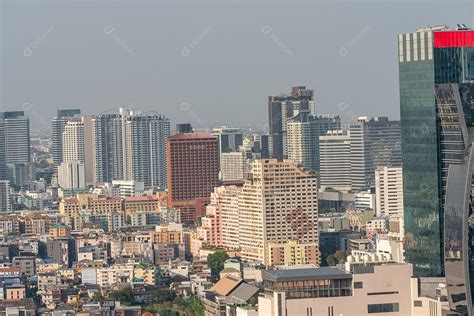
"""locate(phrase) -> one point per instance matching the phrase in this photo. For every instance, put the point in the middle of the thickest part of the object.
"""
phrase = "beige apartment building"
(383, 289)
(278, 204)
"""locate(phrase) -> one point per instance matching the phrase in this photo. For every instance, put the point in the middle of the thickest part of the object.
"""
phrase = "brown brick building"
(193, 172)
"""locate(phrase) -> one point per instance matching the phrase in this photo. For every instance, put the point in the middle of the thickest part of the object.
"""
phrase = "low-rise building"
(369, 289)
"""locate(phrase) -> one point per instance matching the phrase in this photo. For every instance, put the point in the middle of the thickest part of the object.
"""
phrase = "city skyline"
(236, 158)
(205, 60)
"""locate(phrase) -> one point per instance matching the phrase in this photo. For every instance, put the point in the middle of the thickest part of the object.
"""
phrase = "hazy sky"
(207, 62)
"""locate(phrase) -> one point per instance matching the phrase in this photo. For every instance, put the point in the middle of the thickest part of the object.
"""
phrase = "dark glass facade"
(421, 176)
(437, 111)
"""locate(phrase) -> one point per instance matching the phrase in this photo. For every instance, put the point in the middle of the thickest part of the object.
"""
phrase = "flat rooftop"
(321, 273)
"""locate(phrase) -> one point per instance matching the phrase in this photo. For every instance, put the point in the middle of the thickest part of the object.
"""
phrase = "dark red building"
(193, 172)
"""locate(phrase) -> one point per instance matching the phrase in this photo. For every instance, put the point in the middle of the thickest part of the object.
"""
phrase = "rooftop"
(140, 198)
(192, 136)
(305, 274)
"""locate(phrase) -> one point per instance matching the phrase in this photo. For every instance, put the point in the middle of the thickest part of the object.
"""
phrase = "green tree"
(125, 296)
(216, 262)
(193, 306)
(341, 256)
(162, 296)
(97, 297)
(331, 260)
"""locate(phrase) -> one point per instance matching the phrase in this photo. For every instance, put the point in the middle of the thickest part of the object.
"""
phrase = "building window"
(418, 304)
(383, 308)
(358, 285)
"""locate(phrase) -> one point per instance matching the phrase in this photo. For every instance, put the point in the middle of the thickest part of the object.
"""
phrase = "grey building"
(14, 140)
(26, 264)
(5, 205)
(62, 250)
(145, 148)
(281, 108)
(375, 142)
(302, 137)
(130, 146)
(108, 153)
(57, 128)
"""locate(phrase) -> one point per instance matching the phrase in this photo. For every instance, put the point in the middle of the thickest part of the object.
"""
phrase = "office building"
(73, 142)
(72, 175)
(374, 142)
(230, 138)
(77, 145)
(123, 188)
(183, 128)
(193, 173)
(5, 205)
(278, 206)
(298, 139)
(19, 173)
(14, 142)
(319, 125)
(57, 128)
(233, 166)
(17, 136)
(389, 191)
(281, 108)
(303, 132)
(3, 154)
(262, 145)
(436, 101)
(335, 161)
(365, 200)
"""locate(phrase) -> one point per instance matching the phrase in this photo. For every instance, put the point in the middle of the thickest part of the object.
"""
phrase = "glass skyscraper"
(436, 67)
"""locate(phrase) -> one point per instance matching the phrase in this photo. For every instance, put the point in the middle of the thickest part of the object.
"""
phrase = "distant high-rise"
(57, 128)
(436, 106)
(3, 154)
(281, 108)
(183, 128)
(5, 205)
(278, 214)
(375, 142)
(298, 139)
(193, 172)
(263, 145)
(319, 125)
(73, 142)
(130, 146)
(14, 141)
(233, 166)
(145, 148)
(108, 153)
(303, 132)
(71, 175)
(230, 138)
(17, 136)
(389, 191)
(335, 163)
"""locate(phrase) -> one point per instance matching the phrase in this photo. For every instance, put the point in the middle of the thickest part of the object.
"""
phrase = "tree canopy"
(216, 262)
